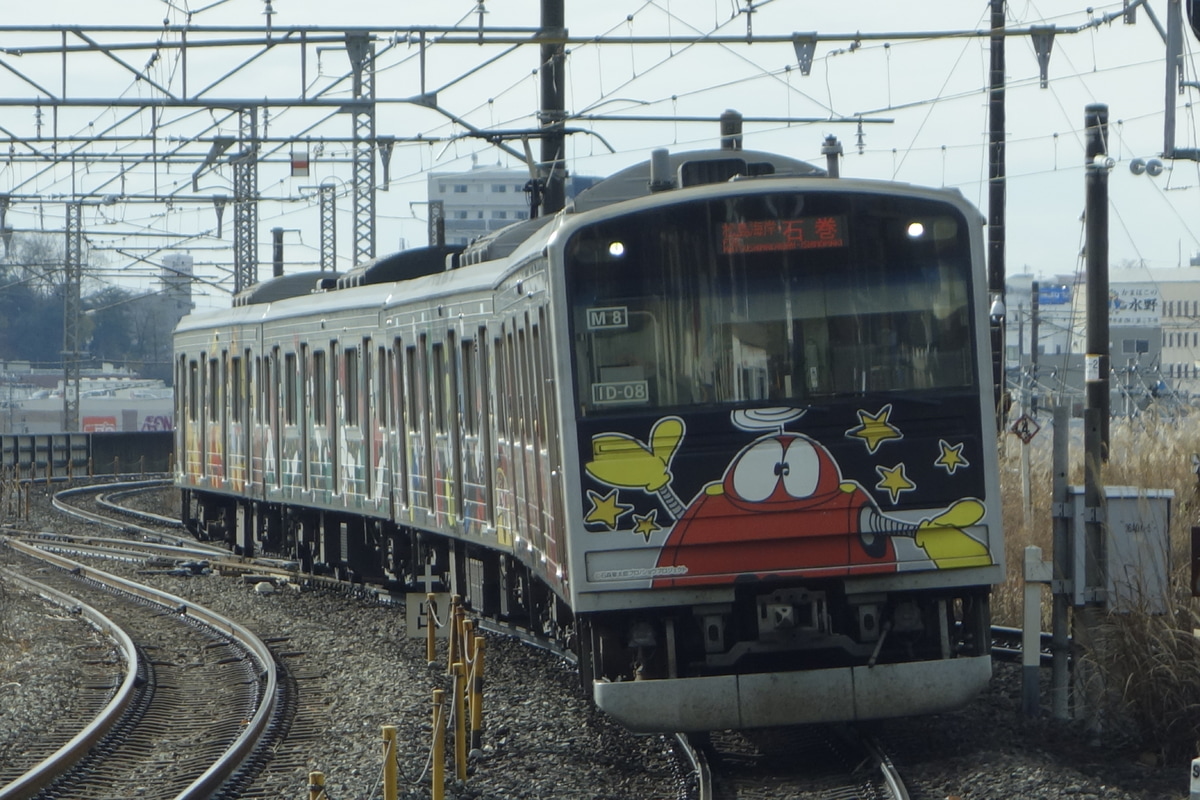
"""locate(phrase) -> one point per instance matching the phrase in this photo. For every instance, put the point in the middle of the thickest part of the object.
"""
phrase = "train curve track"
(111, 501)
(101, 495)
(203, 751)
(113, 704)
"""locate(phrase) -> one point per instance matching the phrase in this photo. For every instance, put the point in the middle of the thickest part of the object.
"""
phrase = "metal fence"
(58, 456)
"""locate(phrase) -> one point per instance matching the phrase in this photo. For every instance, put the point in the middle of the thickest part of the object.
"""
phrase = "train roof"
(400, 266)
(680, 170)
(285, 286)
(662, 172)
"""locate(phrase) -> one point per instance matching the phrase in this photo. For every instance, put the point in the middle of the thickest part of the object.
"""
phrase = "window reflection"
(665, 313)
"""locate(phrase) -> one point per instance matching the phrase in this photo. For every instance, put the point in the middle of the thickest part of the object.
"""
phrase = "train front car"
(788, 506)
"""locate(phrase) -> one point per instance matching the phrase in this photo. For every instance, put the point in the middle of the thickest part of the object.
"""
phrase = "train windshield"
(781, 298)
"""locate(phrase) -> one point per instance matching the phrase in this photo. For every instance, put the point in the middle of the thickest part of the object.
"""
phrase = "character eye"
(757, 472)
(803, 469)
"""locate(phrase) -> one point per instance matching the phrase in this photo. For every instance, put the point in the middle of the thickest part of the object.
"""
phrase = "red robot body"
(782, 507)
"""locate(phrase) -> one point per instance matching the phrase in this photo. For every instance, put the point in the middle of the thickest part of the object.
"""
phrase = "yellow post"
(455, 623)
(460, 724)
(438, 789)
(430, 630)
(468, 640)
(465, 647)
(316, 786)
(389, 762)
(477, 694)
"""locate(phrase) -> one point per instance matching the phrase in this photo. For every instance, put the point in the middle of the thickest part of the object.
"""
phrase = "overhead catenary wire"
(672, 17)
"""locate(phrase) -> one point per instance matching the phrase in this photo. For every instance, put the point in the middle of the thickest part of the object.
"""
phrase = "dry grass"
(1148, 664)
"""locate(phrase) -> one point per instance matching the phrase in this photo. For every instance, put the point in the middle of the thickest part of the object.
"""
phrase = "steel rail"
(42, 775)
(695, 757)
(226, 766)
(891, 776)
(59, 503)
(108, 500)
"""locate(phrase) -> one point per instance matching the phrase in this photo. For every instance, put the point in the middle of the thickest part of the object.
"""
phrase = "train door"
(508, 523)
(331, 421)
(225, 443)
(235, 422)
(443, 399)
(258, 443)
(202, 419)
(214, 429)
(192, 447)
(380, 400)
(273, 470)
(475, 447)
(548, 445)
(417, 457)
(294, 464)
(317, 452)
(397, 439)
(527, 404)
(178, 371)
(352, 446)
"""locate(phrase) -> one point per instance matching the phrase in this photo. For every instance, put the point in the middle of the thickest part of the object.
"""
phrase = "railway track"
(800, 762)
(197, 694)
(299, 718)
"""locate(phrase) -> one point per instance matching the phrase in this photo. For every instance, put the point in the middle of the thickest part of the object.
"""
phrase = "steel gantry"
(362, 63)
(245, 202)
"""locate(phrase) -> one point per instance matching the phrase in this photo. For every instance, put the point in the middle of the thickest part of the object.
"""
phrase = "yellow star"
(874, 429)
(646, 525)
(607, 509)
(894, 481)
(951, 458)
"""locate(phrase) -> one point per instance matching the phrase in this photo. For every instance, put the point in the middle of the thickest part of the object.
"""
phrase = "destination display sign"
(775, 235)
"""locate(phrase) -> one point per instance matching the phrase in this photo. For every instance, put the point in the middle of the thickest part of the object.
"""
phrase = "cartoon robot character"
(781, 505)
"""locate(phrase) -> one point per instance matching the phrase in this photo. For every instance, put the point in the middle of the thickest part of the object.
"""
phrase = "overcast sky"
(928, 94)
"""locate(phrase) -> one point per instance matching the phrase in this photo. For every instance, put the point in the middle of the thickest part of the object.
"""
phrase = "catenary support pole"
(1063, 570)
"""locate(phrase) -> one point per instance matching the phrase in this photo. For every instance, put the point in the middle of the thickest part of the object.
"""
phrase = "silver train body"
(728, 432)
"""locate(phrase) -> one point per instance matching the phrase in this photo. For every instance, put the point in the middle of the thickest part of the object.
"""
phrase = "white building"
(479, 201)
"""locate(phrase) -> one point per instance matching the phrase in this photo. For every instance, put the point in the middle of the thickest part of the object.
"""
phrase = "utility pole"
(1034, 336)
(1097, 165)
(1096, 407)
(996, 200)
(73, 268)
(553, 111)
(1175, 82)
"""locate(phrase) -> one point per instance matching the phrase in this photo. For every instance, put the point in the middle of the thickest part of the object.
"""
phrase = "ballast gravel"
(540, 739)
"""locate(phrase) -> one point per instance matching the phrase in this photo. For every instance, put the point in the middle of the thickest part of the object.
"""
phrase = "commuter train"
(725, 425)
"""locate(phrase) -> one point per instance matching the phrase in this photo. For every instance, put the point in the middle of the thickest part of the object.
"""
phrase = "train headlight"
(916, 230)
(616, 249)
